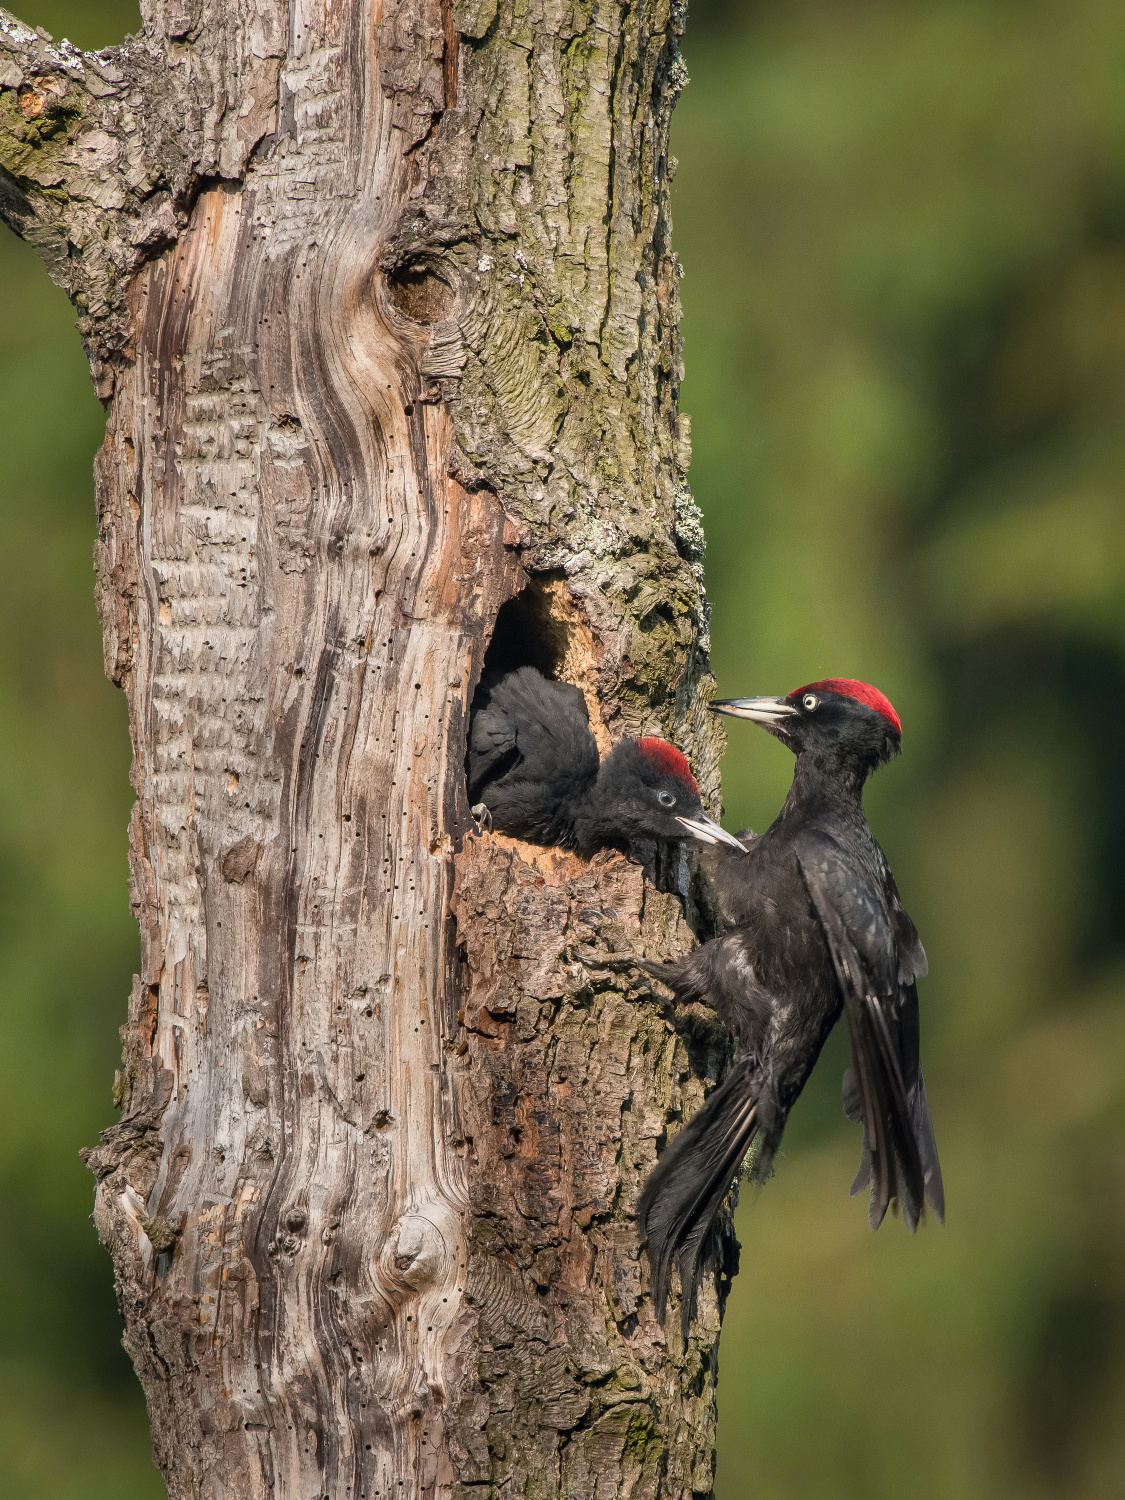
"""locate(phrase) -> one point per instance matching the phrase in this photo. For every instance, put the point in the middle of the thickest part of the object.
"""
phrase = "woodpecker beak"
(710, 833)
(767, 711)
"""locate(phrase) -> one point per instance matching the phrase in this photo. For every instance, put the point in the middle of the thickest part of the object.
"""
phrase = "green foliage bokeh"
(903, 228)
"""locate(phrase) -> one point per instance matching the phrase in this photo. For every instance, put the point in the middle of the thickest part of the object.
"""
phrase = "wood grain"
(381, 300)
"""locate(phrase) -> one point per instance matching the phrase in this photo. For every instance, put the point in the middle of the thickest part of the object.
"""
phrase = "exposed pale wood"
(382, 303)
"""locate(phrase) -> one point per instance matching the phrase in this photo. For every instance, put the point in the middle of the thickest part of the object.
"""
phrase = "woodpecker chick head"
(645, 791)
(837, 720)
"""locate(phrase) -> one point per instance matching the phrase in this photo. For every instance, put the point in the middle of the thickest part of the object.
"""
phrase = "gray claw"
(481, 817)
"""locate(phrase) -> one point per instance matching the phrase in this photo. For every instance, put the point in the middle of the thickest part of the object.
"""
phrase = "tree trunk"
(381, 302)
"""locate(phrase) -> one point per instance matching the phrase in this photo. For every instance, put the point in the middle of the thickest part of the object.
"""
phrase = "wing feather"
(531, 752)
(861, 940)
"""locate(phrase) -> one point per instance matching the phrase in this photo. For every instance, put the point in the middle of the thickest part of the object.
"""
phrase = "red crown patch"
(668, 759)
(862, 692)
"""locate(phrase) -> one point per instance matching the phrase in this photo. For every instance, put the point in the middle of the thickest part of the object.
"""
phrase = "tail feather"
(681, 1198)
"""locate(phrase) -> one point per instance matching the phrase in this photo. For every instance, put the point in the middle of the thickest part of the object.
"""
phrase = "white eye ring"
(810, 700)
(666, 799)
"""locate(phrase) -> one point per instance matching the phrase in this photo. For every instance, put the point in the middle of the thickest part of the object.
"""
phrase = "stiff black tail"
(690, 1181)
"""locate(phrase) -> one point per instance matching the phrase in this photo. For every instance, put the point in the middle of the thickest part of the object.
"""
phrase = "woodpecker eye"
(810, 700)
(666, 799)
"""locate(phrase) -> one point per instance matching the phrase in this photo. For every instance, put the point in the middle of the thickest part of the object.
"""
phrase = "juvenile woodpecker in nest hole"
(535, 773)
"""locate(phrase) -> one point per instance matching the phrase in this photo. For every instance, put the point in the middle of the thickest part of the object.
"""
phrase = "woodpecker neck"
(820, 777)
(590, 817)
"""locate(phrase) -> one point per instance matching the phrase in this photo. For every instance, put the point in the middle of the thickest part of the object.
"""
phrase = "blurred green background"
(903, 227)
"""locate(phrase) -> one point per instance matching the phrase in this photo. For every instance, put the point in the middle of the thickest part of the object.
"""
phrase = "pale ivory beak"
(710, 833)
(762, 710)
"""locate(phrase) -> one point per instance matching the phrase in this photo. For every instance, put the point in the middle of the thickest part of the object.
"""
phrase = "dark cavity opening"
(526, 635)
(420, 292)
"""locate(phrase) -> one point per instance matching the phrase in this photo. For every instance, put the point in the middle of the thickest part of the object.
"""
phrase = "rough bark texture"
(381, 301)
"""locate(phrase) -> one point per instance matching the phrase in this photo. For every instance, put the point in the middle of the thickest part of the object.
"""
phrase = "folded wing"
(883, 1088)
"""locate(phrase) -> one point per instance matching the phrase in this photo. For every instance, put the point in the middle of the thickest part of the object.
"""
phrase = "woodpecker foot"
(597, 916)
(617, 963)
(482, 818)
(640, 981)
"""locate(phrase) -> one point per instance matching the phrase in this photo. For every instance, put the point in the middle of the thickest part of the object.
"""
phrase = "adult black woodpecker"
(814, 926)
(534, 769)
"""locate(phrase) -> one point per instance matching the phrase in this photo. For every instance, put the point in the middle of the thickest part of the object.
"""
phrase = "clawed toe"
(599, 959)
(482, 818)
(597, 916)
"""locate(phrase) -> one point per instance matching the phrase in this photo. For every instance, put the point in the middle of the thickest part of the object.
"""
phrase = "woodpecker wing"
(690, 1181)
(530, 751)
(917, 1103)
(912, 961)
(493, 747)
(927, 1147)
(912, 966)
(882, 1021)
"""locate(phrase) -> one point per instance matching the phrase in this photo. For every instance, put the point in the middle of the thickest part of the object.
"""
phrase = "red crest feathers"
(668, 759)
(862, 692)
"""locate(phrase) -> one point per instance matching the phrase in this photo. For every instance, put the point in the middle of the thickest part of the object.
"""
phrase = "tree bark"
(381, 301)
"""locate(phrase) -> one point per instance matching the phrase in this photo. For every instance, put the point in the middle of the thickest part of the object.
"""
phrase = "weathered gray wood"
(382, 303)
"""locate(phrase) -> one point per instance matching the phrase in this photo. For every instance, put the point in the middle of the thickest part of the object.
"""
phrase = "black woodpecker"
(814, 926)
(535, 773)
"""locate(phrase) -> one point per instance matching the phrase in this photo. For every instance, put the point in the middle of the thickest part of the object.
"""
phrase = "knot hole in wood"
(421, 291)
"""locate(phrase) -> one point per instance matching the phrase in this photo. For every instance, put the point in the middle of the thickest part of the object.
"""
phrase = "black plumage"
(534, 765)
(814, 926)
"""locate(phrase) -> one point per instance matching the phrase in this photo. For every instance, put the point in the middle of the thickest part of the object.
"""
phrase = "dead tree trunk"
(380, 298)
